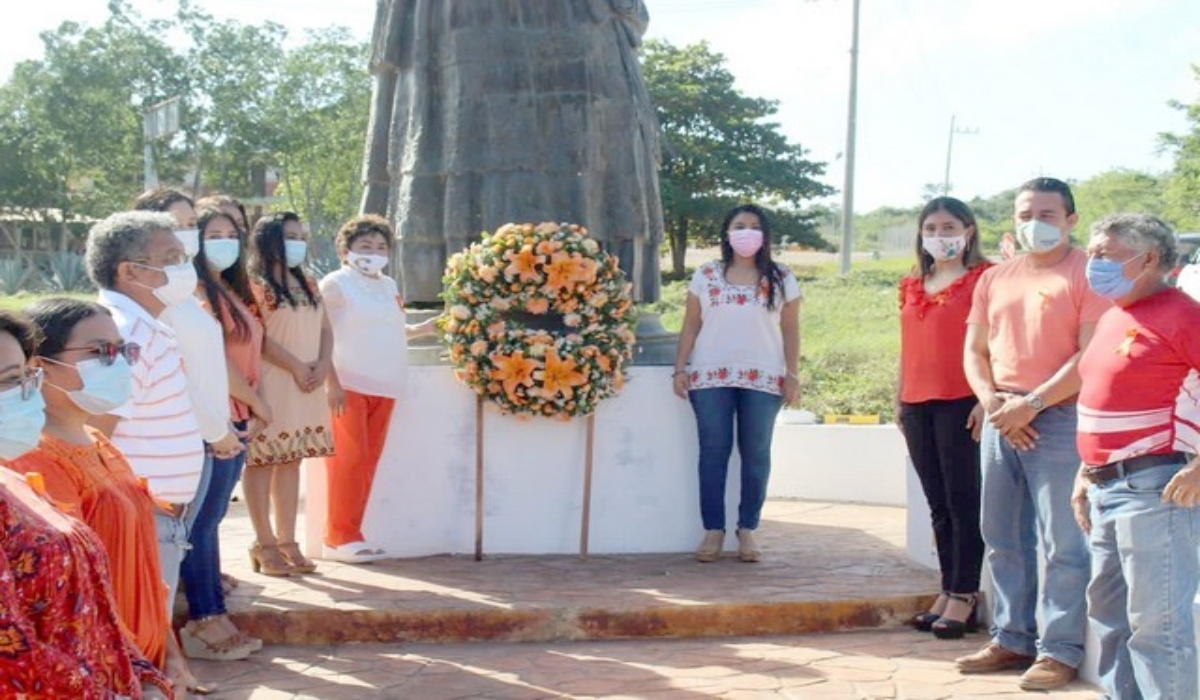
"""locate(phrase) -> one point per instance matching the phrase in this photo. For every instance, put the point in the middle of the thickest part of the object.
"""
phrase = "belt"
(1116, 470)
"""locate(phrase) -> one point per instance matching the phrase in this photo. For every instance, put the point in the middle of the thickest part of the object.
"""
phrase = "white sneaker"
(353, 553)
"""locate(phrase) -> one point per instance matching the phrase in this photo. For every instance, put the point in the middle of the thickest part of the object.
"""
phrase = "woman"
(937, 411)
(370, 341)
(298, 348)
(60, 633)
(736, 362)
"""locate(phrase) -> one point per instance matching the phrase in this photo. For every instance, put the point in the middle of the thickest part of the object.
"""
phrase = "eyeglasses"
(108, 352)
(30, 382)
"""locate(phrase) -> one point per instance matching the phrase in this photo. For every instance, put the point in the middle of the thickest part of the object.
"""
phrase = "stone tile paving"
(861, 664)
(815, 553)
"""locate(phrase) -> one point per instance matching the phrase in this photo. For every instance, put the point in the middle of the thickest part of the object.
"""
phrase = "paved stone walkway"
(851, 665)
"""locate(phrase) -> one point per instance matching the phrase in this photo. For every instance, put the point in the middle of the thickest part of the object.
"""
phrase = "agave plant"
(67, 272)
(13, 274)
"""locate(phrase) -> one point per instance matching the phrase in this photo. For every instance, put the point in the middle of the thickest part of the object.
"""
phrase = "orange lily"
(561, 376)
(524, 264)
(562, 273)
(512, 371)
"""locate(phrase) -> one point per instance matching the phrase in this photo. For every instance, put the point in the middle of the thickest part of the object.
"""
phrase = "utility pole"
(950, 149)
(159, 121)
(851, 123)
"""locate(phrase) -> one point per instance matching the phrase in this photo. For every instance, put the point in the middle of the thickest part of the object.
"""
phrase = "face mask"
(105, 387)
(1107, 277)
(181, 283)
(941, 248)
(222, 253)
(367, 263)
(21, 422)
(1038, 235)
(294, 252)
(190, 238)
(746, 242)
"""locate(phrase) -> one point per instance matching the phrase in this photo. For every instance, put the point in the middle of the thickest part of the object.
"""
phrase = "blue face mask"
(222, 253)
(21, 421)
(295, 252)
(1107, 277)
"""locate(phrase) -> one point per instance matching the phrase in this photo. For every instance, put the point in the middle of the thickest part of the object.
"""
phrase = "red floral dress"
(60, 635)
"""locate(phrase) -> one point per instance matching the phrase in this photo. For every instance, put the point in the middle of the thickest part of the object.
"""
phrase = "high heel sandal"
(268, 560)
(923, 622)
(201, 639)
(296, 561)
(949, 628)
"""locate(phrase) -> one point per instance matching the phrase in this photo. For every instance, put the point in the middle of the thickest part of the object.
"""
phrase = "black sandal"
(949, 628)
(923, 622)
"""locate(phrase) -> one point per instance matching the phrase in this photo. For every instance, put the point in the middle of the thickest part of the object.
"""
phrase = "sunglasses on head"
(108, 352)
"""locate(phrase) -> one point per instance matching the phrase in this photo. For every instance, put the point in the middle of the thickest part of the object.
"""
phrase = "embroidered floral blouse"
(740, 343)
(60, 635)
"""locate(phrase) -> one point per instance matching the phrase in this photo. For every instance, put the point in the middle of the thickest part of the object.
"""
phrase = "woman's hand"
(320, 370)
(302, 375)
(336, 396)
(791, 390)
(260, 410)
(680, 383)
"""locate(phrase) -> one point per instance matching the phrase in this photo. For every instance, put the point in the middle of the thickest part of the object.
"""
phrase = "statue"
(487, 112)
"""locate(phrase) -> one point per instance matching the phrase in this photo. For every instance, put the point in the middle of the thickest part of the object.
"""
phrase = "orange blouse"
(96, 484)
(933, 331)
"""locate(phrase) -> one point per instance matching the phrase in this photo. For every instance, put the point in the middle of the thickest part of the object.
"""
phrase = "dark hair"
(1052, 185)
(220, 201)
(236, 281)
(767, 269)
(56, 318)
(269, 253)
(25, 333)
(160, 199)
(972, 255)
(361, 226)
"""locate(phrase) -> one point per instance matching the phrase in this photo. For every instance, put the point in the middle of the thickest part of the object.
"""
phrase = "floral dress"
(60, 634)
(299, 427)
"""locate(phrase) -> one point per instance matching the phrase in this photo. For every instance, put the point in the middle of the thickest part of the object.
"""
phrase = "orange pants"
(358, 437)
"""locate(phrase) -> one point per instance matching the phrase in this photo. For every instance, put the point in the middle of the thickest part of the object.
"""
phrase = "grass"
(849, 335)
(18, 301)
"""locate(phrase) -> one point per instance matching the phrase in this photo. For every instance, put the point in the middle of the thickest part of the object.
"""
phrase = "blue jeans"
(1026, 501)
(1144, 573)
(717, 410)
(201, 569)
(172, 547)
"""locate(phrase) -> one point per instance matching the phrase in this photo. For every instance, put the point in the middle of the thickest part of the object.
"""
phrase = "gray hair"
(1141, 232)
(120, 238)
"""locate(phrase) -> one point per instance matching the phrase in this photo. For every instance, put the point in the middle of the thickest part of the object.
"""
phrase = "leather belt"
(1125, 467)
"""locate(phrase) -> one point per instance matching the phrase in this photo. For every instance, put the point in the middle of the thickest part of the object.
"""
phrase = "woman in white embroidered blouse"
(736, 363)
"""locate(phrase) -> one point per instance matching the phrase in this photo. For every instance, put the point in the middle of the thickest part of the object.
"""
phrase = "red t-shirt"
(1141, 390)
(933, 331)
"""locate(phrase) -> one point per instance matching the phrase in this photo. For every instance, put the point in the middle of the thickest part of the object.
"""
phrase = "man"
(1138, 415)
(1030, 318)
(140, 268)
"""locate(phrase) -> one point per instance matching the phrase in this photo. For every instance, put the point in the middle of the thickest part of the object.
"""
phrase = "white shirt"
(370, 343)
(740, 343)
(157, 432)
(202, 345)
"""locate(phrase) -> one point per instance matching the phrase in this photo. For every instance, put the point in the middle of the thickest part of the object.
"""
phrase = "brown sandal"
(266, 559)
(296, 561)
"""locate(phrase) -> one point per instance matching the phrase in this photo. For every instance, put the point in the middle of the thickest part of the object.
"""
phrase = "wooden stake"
(589, 449)
(478, 478)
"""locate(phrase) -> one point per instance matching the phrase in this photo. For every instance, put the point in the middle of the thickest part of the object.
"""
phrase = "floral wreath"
(538, 320)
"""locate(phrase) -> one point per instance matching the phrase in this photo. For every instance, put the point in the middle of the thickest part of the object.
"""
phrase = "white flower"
(460, 312)
(598, 300)
(572, 320)
(591, 246)
(537, 350)
(500, 304)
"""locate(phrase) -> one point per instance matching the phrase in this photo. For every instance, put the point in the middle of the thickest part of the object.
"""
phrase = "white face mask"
(944, 248)
(1036, 235)
(367, 263)
(105, 387)
(181, 283)
(222, 253)
(21, 422)
(295, 252)
(190, 238)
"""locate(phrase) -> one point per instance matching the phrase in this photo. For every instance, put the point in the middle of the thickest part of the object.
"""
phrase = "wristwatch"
(1035, 402)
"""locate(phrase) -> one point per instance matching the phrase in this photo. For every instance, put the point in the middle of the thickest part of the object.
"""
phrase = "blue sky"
(1067, 88)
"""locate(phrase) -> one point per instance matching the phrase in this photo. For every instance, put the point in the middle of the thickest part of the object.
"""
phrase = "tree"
(720, 149)
(1183, 186)
(1116, 191)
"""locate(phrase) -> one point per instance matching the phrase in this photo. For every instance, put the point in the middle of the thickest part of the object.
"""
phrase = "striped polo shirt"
(157, 431)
